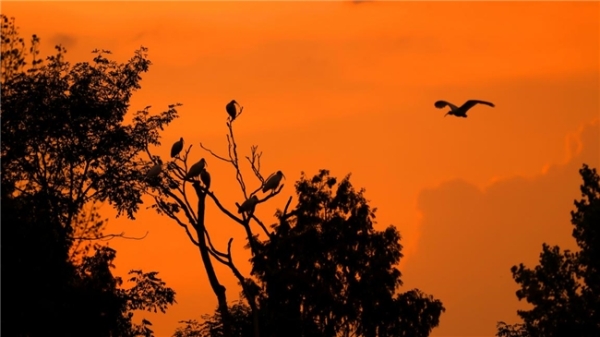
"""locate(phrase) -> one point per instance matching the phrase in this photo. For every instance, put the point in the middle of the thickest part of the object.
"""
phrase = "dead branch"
(108, 237)
(223, 209)
(249, 295)
(217, 252)
(214, 154)
(287, 205)
(233, 156)
(179, 222)
(232, 266)
(192, 218)
(216, 256)
(239, 113)
(285, 214)
(261, 224)
(182, 176)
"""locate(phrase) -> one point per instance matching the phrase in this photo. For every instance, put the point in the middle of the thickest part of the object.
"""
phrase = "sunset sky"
(350, 88)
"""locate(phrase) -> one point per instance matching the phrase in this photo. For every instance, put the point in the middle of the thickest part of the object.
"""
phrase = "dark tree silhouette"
(325, 271)
(168, 188)
(66, 148)
(241, 318)
(564, 288)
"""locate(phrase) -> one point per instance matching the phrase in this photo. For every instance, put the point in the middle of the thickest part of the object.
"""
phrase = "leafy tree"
(514, 330)
(325, 271)
(242, 324)
(564, 288)
(65, 148)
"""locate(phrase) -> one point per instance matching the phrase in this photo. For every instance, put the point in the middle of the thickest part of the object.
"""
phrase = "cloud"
(471, 237)
(145, 35)
(66, 40)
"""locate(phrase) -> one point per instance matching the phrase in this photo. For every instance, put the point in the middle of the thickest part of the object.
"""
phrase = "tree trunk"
(218, 289)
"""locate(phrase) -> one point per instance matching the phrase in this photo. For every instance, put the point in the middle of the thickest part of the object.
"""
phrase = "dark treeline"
(320, 269)
(564, 288)
(64, 150)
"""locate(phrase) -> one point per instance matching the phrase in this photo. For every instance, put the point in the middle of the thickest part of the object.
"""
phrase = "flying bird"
(273, 182)
(154, 171)
(196, 169)
(462, 110)
(231, 109)
(248, 205)
(205, 178)
(176, 148)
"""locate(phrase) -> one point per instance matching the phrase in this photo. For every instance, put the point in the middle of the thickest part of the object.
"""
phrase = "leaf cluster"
(564, 288)
(65, 149)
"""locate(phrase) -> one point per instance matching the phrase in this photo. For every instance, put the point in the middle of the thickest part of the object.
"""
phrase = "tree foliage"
(564, 288)
(242, 323)
(325, 271)
(65, 148)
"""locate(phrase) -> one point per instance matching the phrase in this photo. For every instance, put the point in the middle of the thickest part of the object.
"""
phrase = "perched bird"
(177, 147)
(248, 205)
(273, 182)
(462, 110)
(205, 177)
(154, 171)
(231, 109)
(196, 169)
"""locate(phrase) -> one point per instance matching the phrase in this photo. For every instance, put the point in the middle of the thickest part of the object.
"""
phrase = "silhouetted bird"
(231, 109)
(154, 171)
(462, 110)
(177, 147)
(196, 169)
(248, 205)
(205, 177)
(273, 181)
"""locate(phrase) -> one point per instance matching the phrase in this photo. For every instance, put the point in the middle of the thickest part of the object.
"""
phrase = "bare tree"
(170, 192)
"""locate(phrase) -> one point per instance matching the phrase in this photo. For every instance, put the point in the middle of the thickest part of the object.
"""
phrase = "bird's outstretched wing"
(470, 103)
(443, 104)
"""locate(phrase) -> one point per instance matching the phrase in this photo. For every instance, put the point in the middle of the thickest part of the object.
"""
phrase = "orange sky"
(351, 88)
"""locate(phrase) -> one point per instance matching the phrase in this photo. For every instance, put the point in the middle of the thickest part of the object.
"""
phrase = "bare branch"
(234, 158)
(271, 195)
(178, 170)
(108, 237)
(179, 222)
(255, 163)
(182, 176)
(239, 113)
(261, 224)
(24, 192)
(188, 211)
(217, 257)
(217, 252)
(285, 214)
(223, 209)
(232, 266)
(287, 205)
(150, 155)
(214, 154)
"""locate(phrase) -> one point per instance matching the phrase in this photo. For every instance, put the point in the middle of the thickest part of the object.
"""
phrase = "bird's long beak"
(447, 113)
